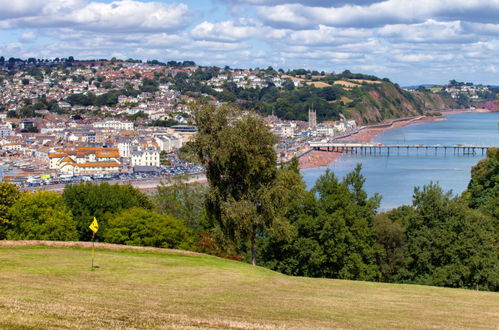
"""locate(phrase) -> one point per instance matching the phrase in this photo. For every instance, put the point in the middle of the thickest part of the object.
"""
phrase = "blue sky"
(409, 41)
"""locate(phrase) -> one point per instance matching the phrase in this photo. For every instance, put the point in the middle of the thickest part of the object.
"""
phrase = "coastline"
(316, 158)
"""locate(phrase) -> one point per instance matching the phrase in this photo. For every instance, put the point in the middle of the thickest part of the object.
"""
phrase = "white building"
(5, 130)
(168, 143)
(148, 157)
(351, 124)
(125, 149)
(324, 130)
(12, 146)
(114, 124)
(339, 126)
(285, 130)
(85, 161)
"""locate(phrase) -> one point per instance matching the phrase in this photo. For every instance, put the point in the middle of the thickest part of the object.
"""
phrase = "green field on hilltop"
(44, 287)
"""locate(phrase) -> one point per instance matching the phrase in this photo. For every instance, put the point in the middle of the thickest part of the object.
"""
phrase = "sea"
(395, 175)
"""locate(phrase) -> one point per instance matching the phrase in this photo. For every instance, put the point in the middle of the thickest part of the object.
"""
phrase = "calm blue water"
(394, 176)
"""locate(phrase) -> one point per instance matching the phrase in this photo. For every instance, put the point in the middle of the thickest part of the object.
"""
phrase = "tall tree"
(245, 197)
(184, 201)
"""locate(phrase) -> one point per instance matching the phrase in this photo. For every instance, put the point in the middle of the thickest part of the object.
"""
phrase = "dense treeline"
(29, 109)
(289, 103)
(110, 98)
(87, 99)
(254, 210)
(438, 240)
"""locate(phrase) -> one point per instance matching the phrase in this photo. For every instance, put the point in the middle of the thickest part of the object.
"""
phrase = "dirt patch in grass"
(88, 245)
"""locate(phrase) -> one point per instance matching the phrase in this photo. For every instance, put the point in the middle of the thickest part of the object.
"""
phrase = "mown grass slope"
(44, 287)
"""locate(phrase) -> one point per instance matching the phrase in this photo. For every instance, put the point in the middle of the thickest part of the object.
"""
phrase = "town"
(64, 121)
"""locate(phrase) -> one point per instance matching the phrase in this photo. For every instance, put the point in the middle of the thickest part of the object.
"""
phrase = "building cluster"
(291, 129)
(245, 79)
(66, 146)
(473, 92)
(57, 83)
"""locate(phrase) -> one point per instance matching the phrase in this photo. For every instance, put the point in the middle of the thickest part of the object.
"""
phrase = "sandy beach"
(315, 158)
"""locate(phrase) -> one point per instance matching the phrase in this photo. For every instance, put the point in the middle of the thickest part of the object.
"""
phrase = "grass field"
(345, 83)
(54, 287)
(318, 84)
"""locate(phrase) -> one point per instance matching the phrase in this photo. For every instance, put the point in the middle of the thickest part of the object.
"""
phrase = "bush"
(9, 194)
(88, 200)
(42, 215)
(137, 226)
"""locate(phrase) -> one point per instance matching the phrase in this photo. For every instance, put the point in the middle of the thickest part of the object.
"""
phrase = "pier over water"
(378, 148)
(395, 175)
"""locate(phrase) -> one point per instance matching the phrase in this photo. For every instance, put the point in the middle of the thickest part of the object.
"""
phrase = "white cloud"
(430, 31)
(327, 36)
(131, 15)
(228, 31)
(117, 16)
(20, 8)
(424, 57)
(300, 16)
(214, 46)
(28, 37)
(336, 3)
(482, 28)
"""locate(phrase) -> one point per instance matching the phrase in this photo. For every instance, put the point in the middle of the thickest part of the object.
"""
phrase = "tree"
(149, 85)
(392, 240)
(42, 215)
(348, 234)
(244, 196)
(88, 200)
(449, 244)
(334, 234)
(11, 114)
(137, 226)
(9, 194)
(483, 189)
(184, 201)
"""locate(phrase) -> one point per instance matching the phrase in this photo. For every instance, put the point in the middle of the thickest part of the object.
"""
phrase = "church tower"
(312, 118)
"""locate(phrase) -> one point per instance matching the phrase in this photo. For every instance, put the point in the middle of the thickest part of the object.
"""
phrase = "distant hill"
(418, 86)
(53, 287)
(378, 102)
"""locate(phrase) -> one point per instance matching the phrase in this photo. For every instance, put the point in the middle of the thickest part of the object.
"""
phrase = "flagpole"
(93, 253)
(94, 226)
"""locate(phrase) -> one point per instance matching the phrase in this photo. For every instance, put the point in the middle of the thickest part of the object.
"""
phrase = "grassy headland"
(45, 287)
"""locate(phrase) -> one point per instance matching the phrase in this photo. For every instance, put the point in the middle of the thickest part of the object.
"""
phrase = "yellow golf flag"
(94, 226)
